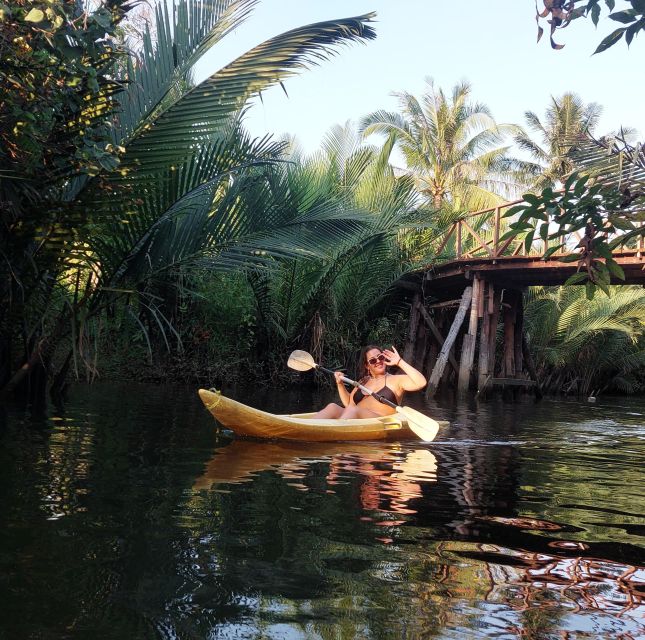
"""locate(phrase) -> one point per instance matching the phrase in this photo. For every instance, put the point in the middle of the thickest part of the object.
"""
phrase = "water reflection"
(391, 475)
(523, 521)
(583, 593)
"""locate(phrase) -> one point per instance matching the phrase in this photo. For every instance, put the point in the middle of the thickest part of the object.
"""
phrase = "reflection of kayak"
(241, 460)
(247, 421)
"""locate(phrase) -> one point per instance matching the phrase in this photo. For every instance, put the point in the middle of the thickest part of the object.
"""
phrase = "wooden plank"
(479, 239)
(492, 338)
(450, 339)
(442, 305)
(484, 351)
(444, 242)
(512, 382)
(472, 323)
(482, 299)
(470, 339)
(437, 334)
(496, 232)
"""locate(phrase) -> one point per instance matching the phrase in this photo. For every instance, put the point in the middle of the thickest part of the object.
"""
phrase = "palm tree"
(328, 304)
(566, 119)
(186, 190)
(585, 345)
(452, 147)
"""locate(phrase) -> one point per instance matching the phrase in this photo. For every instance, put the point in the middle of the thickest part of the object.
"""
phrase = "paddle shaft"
(365, 390)
(423, 426)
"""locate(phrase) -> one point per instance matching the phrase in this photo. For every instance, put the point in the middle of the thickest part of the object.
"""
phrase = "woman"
(374, 363)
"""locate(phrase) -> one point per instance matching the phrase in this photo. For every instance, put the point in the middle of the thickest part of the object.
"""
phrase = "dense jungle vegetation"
(145, 234)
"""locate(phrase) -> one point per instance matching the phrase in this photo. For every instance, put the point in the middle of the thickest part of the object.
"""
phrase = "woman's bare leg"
(332, 410)
(357, 412)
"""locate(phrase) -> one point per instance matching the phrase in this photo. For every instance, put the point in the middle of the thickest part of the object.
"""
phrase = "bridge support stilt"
(470, 339)
(483, 303)
(440, 365)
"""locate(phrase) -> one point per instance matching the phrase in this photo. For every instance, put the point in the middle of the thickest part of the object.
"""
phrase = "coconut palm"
(566, 119)
(188, 188)
(452, 147)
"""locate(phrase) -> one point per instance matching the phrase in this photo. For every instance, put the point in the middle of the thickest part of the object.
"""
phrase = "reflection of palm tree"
(566, 118)
(452, 147)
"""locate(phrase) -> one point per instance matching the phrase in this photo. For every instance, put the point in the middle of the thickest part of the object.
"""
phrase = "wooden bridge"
(483, 278)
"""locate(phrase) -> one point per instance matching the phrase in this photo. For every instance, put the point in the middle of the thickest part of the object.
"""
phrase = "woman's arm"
(342, 390)
(413, 380)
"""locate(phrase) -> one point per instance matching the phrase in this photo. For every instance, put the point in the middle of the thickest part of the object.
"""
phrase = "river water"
(128, 513)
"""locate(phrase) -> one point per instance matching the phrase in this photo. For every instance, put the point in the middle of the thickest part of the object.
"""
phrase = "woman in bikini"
(376, 378)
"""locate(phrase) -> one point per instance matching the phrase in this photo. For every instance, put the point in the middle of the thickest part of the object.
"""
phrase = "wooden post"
(408, 352)
(450, 339)
(468, 345)
(519, 330)
(494, 319)
(510, 311)
(484, 340)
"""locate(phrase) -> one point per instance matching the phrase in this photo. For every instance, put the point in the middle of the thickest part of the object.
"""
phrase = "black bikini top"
(385, 391)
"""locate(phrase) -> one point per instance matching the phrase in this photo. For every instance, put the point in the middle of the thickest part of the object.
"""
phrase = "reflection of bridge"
(483, 278)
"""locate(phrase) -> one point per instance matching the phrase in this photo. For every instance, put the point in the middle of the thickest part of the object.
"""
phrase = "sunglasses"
(378, 358)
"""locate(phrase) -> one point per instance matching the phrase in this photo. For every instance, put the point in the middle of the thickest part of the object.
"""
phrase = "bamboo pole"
(450, 339)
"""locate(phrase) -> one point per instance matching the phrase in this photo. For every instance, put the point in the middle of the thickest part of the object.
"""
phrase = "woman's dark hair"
(363, 373)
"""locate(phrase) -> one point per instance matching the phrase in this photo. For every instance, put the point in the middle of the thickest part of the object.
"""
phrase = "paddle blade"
(426, 428)
(301, 361)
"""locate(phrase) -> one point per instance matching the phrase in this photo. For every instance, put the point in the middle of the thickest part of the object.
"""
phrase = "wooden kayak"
(247, 421)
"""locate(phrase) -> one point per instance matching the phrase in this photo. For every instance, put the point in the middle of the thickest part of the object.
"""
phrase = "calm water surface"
(128, 514)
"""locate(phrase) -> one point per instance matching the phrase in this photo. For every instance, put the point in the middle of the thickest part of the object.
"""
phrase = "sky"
(491, 44)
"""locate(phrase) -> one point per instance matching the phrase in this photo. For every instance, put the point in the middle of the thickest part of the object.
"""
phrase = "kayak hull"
(249, 422)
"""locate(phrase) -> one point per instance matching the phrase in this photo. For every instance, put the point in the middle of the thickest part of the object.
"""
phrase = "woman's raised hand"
(392, 357)
(339, 375)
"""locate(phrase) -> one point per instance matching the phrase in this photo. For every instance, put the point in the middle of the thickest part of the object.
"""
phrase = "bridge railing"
(480, 234)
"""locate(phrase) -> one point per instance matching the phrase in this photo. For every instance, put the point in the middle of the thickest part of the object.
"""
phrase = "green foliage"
(566, 120)
(590, 210)
(189, 192)
(57, 90)
(561, 13)
(453, 148)
(330, 304)
(587, 346)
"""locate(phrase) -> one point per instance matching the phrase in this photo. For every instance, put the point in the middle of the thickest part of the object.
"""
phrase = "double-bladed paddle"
(426, 428)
